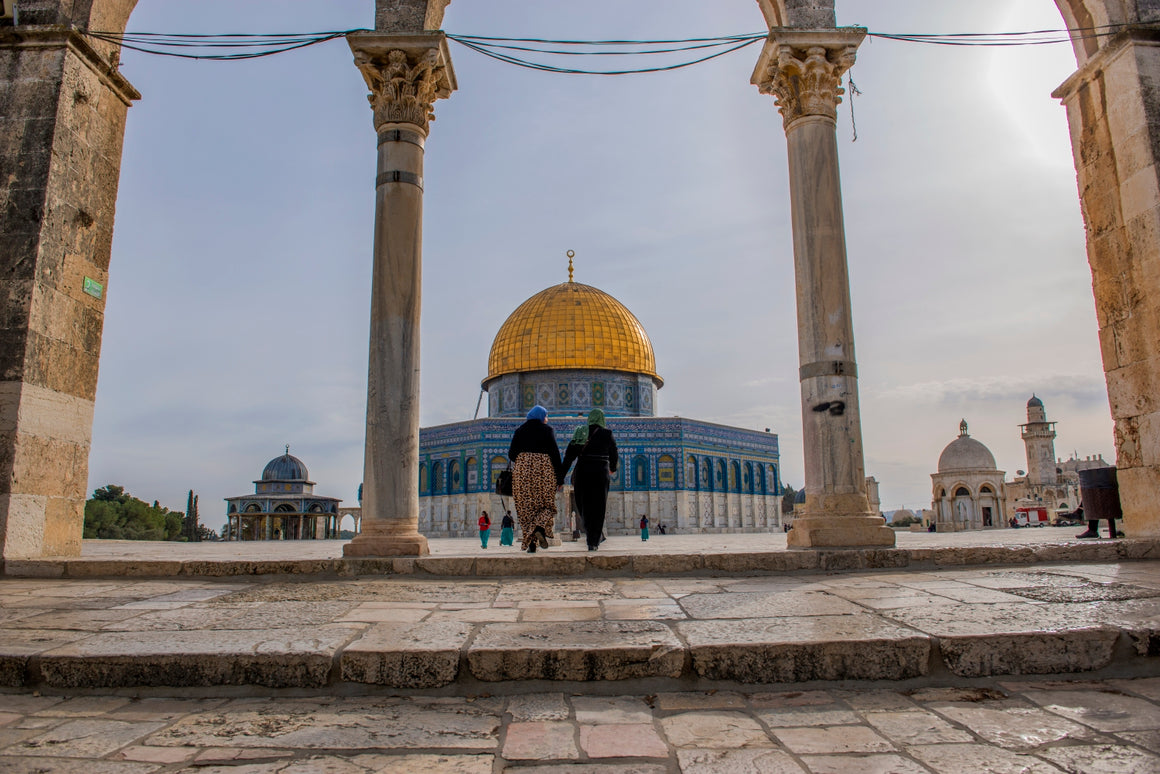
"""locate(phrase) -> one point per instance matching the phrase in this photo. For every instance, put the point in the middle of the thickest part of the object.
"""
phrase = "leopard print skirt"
(534, 490)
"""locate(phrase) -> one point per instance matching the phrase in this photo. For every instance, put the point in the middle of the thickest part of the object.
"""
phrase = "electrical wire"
(528, 52)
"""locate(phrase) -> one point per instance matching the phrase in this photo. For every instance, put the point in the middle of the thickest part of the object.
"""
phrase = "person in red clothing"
(484, 528)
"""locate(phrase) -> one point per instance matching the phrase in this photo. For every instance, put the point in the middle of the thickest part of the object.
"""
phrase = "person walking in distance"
(484, 529)
(537, 474)
(594, 468)
(507, 530)
(643, 527)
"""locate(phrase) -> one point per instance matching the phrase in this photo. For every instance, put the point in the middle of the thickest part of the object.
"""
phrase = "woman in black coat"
(596, 463)
(536, 476)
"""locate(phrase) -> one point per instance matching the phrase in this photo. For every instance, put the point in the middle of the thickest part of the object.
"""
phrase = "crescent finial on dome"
(571, 255)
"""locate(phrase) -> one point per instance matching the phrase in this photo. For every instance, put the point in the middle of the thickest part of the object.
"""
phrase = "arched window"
(423, 480)
(774, 483)
(498, 463)
(253, 508)
(437, 482)
(233, 508)
(666, 472)
(284, 508)
(691, 477)
(747, 482)
(962, 491)
(735, 476)
(316, 508)
(942, 493)
(640, 472)
(472, 466)
(707, 474)
(719, 481)
(986, 489)
(455, 477)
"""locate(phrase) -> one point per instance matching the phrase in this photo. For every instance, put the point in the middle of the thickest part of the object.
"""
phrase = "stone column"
(62, 116)
(1114, 117)
(406, 74)
(802, 69)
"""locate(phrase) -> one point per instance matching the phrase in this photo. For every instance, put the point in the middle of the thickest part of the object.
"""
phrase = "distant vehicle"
(1031, 516)
(1066, 518)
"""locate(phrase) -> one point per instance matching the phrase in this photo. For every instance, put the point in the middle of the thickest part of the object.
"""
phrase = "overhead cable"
(531, 52)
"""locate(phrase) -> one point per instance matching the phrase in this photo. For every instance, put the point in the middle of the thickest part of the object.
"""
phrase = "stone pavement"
(621, 555)
(1002, 727)
(659, 632)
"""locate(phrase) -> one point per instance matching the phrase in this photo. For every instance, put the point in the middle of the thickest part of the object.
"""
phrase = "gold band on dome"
(571, 326)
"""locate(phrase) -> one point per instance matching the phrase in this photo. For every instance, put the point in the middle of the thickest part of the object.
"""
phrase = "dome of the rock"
(571, 326)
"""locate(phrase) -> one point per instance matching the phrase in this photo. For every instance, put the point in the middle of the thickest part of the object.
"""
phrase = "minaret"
(1039, 437)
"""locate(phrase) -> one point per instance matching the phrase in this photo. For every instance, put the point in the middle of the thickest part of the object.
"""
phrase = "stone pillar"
(1114, 117)
(62, 117)
(406, 74)
(802, 69)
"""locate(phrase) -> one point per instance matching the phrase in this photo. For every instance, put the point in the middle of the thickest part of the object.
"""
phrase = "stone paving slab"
(699, 554)
(410, 632)
(1049, 727)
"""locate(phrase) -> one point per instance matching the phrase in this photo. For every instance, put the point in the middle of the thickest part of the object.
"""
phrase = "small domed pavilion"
(283, 506)
(968, 492)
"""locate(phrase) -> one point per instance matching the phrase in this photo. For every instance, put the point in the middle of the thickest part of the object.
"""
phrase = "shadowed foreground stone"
(834, 647)
(278, 658)
(424, 655)
(588, 650)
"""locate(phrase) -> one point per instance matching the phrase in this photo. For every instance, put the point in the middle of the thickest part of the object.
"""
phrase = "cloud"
(1081, 389)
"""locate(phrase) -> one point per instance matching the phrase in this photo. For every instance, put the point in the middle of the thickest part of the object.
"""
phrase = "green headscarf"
(596, 417)
(581, 435)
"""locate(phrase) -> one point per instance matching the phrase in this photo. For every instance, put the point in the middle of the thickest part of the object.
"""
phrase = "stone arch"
(1121, 235)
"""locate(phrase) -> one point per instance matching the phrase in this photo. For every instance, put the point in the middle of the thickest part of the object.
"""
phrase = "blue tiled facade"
(656, 453)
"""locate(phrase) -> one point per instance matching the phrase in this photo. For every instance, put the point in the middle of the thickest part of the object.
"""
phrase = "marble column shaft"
(406, 74)
(803, 70)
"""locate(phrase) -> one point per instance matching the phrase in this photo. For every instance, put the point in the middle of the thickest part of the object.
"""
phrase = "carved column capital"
(405, 74)
(803, 70)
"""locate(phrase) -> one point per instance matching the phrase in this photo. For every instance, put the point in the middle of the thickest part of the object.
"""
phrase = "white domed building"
(969, 491)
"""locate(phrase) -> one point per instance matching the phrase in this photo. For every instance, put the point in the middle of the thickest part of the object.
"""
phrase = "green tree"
(787, 499)
(114, 514)
(191, 528)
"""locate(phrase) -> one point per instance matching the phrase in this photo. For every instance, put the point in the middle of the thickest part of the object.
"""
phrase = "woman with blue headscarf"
(536, 476)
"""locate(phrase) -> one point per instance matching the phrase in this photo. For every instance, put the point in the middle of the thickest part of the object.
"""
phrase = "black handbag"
(503, 483)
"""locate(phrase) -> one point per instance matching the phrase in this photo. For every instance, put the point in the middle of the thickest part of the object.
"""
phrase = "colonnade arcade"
(64, 105)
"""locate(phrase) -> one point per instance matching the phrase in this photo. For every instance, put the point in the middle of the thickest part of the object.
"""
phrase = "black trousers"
(590, 483)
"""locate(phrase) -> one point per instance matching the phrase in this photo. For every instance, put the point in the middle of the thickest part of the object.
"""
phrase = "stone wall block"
(46, 466)
(15, 303)
(1127, 440)
(1148, 426)
(59, 366)
(21, 523)
(1140, 193)
(1109, 350)
(409, 15)
(1132, 389)
(1138, 488)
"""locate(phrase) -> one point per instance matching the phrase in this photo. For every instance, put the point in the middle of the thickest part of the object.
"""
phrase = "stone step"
(472, 656)
(575, 564)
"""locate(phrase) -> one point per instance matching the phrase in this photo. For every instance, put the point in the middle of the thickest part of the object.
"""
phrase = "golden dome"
(571, 326)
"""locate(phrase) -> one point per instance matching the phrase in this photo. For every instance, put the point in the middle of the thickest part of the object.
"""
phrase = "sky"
(237, 304)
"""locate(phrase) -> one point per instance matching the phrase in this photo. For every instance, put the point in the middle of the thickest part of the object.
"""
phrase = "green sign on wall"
(93, 288)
